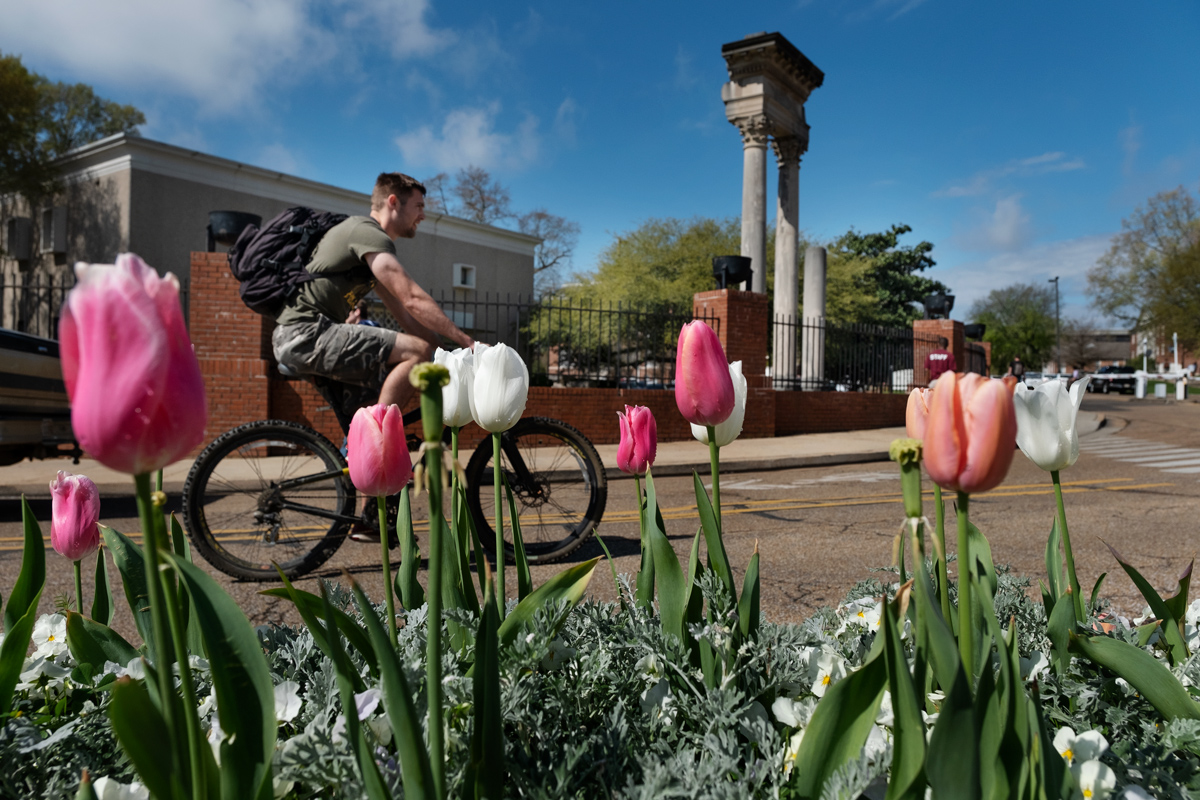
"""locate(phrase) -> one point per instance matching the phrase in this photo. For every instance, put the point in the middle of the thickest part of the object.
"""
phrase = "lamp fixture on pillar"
(224, 227)
(937, 305)
(731, 270)
(974, 331)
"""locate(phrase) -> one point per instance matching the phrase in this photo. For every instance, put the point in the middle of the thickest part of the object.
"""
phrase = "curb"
(760, 464)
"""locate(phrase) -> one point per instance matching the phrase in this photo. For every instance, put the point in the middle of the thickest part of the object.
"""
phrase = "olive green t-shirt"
(342, 277)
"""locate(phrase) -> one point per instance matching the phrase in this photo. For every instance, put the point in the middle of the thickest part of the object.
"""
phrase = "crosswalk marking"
(1155, 455)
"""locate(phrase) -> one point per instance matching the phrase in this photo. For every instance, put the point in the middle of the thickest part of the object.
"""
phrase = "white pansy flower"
(365, 704)
(886, 715)
(658, 702)
(209, 705)
(1076, 748)
(792, 752)
(793, 713)
(1135, 793)
(649, 668)
(825, 670)
(725, 432)
(1035, 666)
(1046, 430)
(1093, 780)
(558, 655)
(50, 636)
(287, 701)
(877, 743)
(108, 789)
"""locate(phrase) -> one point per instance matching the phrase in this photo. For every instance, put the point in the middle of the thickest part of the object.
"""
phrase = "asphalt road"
(819, 530)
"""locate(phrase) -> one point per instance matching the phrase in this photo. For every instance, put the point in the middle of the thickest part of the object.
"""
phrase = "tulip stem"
(433, 641)
(79, 586)
(1077, 593)
(966, 626)
(496, 467)
(385, 558)
(939, 515)
(714, 459)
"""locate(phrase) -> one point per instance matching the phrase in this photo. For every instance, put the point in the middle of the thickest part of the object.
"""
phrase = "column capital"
(755, 130)
(788, 150)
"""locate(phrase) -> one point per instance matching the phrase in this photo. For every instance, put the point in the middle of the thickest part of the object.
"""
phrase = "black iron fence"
(976, 359)
(569, 342)
(32, 303)
(819, 355)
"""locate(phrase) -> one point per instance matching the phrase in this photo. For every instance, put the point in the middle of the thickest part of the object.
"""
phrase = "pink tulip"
(916, 416)
(377, 452)
(74, 512)
(971, 434)
(703, 386)
(639, 440)
(137, 397)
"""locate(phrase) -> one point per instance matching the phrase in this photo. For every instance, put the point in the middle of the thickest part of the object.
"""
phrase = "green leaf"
(485, 770)
(195, 644)
(1096, 590)
(1055, 577)
(839, 727)
(241, 679)
(310, 606)
(32, 578)
(145, 738)
(86, 791)
(92, 643)
(712, 537)
(1143, 671)
(672, 587)
(568, 585)
(103, 605)
(645, 577)
(1178, 603)
(612, 565)
(993, 778)
(748, 611)
(952, 765)
(1059, 629)
(397, 702)
(463, 540)
(12, 653)
(412, 595)
(524, 581)
(907, 780)
(695, 606)
(981, 551)
(132, 565)
(1172, 630)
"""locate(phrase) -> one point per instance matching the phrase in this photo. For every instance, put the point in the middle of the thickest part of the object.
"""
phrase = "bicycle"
(277, 491)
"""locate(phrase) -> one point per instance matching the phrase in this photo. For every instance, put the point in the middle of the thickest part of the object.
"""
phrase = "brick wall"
(927, 329)
(822, 412)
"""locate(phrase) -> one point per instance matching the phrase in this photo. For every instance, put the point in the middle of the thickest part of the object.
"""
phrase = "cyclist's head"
(394, 183)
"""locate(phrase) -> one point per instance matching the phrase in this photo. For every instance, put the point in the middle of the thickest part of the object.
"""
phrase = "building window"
(18, 238)
(464, 276)
(54, 230)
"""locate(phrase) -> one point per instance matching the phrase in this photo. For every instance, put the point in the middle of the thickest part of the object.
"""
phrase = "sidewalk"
(32, 478)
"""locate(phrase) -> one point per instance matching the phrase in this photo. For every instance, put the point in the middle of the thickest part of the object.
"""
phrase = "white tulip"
(500, 387)
(456, 395)
(1046, 423)
(731, 428)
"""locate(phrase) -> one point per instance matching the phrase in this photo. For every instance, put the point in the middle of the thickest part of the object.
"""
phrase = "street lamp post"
(1057, 343)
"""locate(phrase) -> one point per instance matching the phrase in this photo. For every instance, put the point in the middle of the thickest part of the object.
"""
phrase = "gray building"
(130, 194)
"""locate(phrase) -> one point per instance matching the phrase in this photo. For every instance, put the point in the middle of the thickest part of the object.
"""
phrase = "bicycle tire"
(235, 501)
(561, 508)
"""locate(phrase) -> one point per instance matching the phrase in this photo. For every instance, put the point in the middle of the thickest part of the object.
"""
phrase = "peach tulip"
(137, 396)
(971, 434)
(916, 416)
(639, 440)
(377, 451)
(74, 514)
(703, 385)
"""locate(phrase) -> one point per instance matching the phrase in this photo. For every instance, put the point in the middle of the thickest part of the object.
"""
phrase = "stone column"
(787, 276)
(812, 352)
(754, 198)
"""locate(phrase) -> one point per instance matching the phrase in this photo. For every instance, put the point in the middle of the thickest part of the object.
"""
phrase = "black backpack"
(269, 261)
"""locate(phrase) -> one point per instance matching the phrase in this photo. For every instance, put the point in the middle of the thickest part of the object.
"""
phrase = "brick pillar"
(232, 344)
(742, 322)
(925, 340)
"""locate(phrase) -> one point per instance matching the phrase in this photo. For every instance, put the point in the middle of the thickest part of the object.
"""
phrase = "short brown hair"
(397, 183)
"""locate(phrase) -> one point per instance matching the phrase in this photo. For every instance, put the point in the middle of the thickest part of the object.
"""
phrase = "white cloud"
(981, 182)
(564, 121)
(221, 52)
(1006, 228)
(469, 136)
(1069, 259)
(279, 158)
(1131, 143)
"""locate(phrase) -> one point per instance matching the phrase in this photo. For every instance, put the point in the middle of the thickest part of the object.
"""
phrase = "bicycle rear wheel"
(558, 484)
(264, 492)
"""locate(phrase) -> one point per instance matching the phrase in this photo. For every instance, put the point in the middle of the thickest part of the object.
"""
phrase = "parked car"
(1113, 379)
(35, 415)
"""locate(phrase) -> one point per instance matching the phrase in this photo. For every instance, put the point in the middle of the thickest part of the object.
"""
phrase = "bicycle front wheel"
(266, 492)
(558, 485)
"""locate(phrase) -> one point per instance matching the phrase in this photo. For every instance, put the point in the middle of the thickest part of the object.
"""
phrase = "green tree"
(1128, 282)
(878, 279)
(1174, 306)
(1020, 322)
(24, 169)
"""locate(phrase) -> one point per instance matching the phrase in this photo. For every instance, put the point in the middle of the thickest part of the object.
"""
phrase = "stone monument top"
(772, 56)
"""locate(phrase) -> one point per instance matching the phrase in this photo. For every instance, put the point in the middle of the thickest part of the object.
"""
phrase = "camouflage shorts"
(356, 354)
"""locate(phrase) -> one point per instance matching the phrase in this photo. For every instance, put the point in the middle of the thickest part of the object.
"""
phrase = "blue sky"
(1014, 136)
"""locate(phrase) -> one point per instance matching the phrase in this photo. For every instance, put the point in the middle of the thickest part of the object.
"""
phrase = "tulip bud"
(703, 387)
(916, 416)
(74, 514)
(377, 451)
(137, 397)
(970, 436)
(639, 440)
(500, 387)
(456, 395)
(731, 428)
(1046, 418)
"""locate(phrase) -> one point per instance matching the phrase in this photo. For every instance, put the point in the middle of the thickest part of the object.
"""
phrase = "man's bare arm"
(407, 321)
(415, 301)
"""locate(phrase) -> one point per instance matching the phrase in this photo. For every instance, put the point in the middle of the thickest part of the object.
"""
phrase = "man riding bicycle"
(357, 255)
(313, 336)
